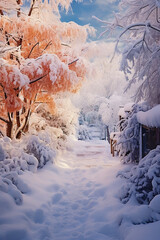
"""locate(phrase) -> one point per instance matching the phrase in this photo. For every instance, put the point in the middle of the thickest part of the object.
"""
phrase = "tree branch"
(32, 49)
(7, 39)
(73, 61)
(50, 43)
(36, 80)
(19, 9)
(1, 133)
(31, 8)
(4, 120)
(66, 45)
(131, 28)
(5, 95)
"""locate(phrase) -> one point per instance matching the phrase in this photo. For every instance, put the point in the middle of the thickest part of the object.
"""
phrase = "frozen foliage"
(16, 157)
(139, 21)
(7, 186)
(143, 180)
(105, 85)
(128, 139)
(50, 5)
(8, 5)
(102, 111)
(58, 125)
(41, 152)
(29, 154)
(83, 133)
(108, 108)
(37, 68)
(150, 118)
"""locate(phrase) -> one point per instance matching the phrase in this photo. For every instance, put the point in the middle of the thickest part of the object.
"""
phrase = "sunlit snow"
(77, 198)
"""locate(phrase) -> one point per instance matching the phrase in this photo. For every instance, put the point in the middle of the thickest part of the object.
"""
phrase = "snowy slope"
(77, 198)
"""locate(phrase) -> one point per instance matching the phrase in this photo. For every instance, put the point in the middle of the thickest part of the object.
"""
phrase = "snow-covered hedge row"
(29, 154)
(143, 180)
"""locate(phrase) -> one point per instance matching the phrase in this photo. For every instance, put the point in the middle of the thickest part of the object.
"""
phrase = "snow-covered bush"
(28, 154)
(7, 186)
(62, 122)
(128, 139)
(41, 152)
(108, 108)
(143, 180)
(83, 133)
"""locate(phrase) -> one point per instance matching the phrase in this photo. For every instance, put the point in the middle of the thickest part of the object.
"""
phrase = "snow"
(128, 107)
(155, 204)
(114, 135)
(150, 118)
(121, 112)
(146, 232)
(77, 198)
(158, 3)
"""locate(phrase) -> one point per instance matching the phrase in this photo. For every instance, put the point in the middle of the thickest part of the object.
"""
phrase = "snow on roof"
(150, 118)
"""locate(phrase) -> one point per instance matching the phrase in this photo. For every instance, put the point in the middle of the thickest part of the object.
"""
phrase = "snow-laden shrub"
(40, 151)
(65, 118)
(16, 159)
(83, 133)
(14, 178)
(28, 154)
(128, 139)
(155, 204)
(7, 186)
(143, 180)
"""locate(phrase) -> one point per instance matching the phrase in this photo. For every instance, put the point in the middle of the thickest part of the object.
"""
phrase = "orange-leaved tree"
(39, 58)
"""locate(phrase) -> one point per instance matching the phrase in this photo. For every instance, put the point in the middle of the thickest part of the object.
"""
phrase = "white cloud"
(104, 2)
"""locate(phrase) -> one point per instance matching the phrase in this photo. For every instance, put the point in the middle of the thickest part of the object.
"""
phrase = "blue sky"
(82, 12)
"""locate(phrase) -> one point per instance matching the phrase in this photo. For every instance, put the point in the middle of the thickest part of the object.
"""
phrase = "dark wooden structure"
(149, 140)
(113, 143)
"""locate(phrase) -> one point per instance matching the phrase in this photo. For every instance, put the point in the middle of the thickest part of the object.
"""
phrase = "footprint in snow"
(89, 184)
(74, 206)
(39, 216)
(87, 192)
(54, 187)
(99, 192)
(56, 198)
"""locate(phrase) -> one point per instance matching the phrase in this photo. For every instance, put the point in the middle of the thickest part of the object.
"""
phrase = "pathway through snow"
(71, 200)
(74, 199)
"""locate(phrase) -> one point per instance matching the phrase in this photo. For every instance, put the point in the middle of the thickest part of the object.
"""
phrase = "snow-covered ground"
(77, 198)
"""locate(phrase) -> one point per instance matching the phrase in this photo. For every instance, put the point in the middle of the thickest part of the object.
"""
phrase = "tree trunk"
(18, 125)
(9, 130)
(26, 128)
(26, 125)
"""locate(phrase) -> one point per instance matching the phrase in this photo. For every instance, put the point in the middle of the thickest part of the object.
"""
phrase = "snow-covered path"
(82, 199)
(77, 198)
(71, 199)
